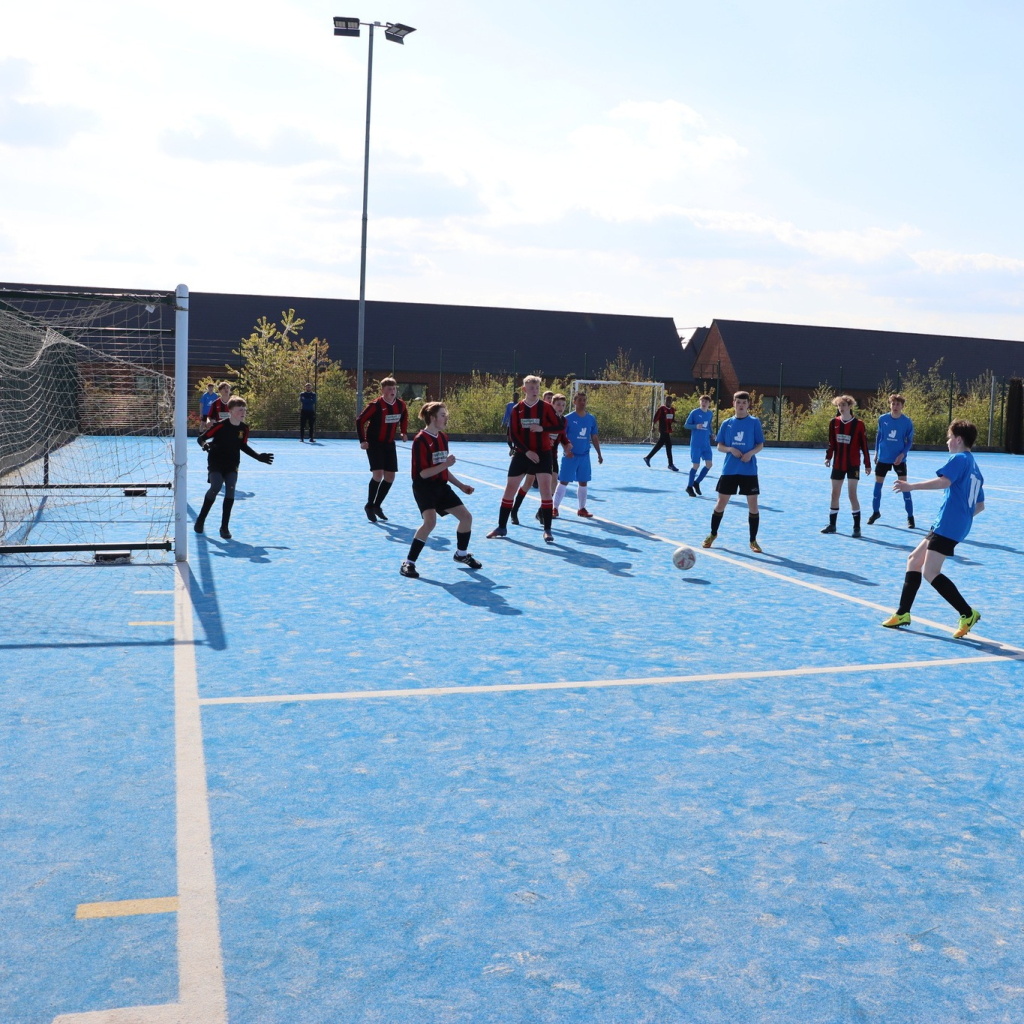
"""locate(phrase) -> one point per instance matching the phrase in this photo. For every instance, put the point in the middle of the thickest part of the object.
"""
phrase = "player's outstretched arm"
(265, 457)
(939, 483)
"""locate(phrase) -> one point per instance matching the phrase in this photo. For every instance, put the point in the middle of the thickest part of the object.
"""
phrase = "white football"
(684, 558)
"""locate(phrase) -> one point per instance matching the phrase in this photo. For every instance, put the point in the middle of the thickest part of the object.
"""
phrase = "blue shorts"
(700, 452)
(575, 469)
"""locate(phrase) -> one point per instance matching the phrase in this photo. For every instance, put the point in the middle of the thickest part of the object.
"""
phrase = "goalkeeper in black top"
(224, 443)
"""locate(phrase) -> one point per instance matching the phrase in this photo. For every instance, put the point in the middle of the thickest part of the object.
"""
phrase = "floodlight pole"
(395, 33)
(361, 336)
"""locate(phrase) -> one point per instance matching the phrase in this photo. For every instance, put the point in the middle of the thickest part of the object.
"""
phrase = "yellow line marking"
(593, 684)
(162, 623)
(127, 908)
(760, 568)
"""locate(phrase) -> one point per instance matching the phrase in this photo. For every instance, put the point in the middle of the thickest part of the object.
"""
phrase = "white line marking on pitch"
(594, 684)
(161, 623)
(765, 571)
(153, 591)
(202, 998)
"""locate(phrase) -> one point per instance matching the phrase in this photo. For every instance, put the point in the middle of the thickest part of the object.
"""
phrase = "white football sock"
(559, 495)
(581, 495)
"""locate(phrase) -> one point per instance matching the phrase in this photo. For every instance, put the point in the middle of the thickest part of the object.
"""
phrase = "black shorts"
(737, 482)
(842, 474)
(522, 466)
(936, 542)
(881, 468)
(440, 497)
(554, 460)
(383, 456)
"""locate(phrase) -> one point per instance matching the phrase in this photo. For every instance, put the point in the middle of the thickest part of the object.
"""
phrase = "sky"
(844, 163)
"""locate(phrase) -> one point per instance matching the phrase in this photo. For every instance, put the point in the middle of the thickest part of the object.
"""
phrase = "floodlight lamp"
(346, 26)
(397, 32)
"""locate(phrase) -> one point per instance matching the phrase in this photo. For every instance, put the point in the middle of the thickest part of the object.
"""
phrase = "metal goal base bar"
(28, 549)
(124, 485)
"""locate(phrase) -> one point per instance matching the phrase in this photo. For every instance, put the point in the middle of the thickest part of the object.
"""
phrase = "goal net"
(624, 408)
(87, 404)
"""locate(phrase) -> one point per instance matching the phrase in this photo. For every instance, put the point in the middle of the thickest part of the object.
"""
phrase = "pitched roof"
(458, 338)
(814, 355)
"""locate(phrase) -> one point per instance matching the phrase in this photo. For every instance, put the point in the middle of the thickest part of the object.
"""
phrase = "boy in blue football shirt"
(964, 499)
(581, 431)
(892, 445)
(206, 402)
(740, 438)
(699, 425)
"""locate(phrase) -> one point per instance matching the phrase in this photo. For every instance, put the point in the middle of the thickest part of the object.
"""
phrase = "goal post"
(624, 408)
(93, 417)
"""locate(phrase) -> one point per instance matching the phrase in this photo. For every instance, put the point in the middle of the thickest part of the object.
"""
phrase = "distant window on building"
(411, 392)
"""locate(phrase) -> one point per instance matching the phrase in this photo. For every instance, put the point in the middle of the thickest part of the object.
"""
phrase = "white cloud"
(865, 246)
(944, 261)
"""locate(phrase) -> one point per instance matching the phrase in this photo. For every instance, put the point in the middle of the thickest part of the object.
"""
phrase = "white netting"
(624, 409)
(86, 424)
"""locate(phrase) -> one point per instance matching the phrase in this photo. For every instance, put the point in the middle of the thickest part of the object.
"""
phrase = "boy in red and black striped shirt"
(847, 442)
(377, 425)
(529, 437)
(664, 420)
(431, 487)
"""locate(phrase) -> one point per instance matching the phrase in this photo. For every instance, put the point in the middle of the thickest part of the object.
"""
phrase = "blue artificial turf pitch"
(705, 843)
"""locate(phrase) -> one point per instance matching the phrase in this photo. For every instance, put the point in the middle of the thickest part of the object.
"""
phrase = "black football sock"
(911, 585)
(462, 541)
(856, 520)
(225, 512)
(371, 497)
(518, 503)
(753, 521)
(503, 514)
(208, 501)
(833, 515)
(545, 515)
(414, 549)
(716, 521)
(947, 588)
(382, 492)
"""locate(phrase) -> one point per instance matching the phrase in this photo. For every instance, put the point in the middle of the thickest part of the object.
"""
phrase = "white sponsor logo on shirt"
(892, 435)
(439, 457)
(843, 438)
(738, 436)
(393, 417)
(531, 422)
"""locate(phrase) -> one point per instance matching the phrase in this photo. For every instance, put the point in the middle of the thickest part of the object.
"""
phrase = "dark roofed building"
(752, 355)
(422, 341)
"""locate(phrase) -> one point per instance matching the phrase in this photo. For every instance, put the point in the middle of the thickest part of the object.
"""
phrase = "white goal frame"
(657, 394)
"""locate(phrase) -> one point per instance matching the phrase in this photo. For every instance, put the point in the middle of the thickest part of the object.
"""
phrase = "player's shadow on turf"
(640, 490)
(885, 543)
(398, 534)
(204, 596)
(586, 537)
(808, 569)
(582, 559)
(478, 592)
(255, 553)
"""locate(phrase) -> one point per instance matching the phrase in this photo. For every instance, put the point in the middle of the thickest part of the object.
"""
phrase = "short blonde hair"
(532, 379)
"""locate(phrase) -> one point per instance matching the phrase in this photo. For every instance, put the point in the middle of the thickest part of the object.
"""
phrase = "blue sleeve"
(953, 469)
(759, 433)
(690, 424)
(981, 494)
(593, 425)
(910, 440)
(878, 437)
